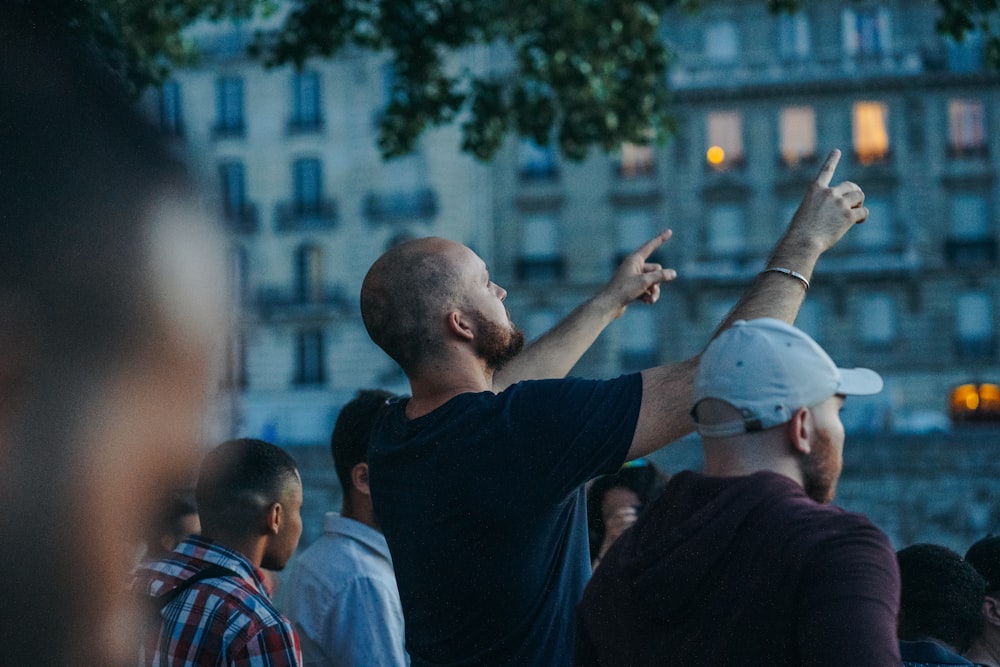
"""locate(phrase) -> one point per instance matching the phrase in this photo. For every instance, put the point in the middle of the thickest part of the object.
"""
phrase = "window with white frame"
(793, 35)
(308, 273)
(307, 112)
(722, 43)
(797, 129)
(974, 326)
(638, 339)
(540, 258)
(877, 320)
(229, 105)
(971, 238)
(726, 234)
(867, 31)
(635, 227)
(310, 368)
(171, 118)
(307, 181)
(878, 231)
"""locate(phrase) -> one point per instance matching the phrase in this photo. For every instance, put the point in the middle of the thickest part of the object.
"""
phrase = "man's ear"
(273, 516)
(460, 325)
(800, 430)
(359, 478)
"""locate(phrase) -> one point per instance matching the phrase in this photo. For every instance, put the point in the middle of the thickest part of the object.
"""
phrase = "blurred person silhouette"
(614, 502)
(940, 606)
(984, 555)
(478, 478)
(214, 605)
(175, 522)
(748, 563)
(109, 319)
(341, 592)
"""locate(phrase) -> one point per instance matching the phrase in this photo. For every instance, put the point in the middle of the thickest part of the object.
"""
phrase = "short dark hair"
(942, 596)
(984, 555)
(352, 432)
(238, 480)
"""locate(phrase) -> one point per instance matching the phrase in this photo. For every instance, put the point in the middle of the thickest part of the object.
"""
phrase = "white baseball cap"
(767, 370)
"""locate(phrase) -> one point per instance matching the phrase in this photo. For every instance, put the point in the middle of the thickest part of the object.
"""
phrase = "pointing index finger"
(826, 171)
(647, 248)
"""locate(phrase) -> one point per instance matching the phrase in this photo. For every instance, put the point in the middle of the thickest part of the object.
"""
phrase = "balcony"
(972, 251)
(303, 216)
(242, 219)
(540, 269)
(320, 303)
(392, 207)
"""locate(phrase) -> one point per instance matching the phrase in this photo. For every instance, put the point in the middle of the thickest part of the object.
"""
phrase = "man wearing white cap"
(748, 563)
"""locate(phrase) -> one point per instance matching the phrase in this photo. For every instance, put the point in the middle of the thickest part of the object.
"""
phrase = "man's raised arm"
(556, 351)
(824, 216)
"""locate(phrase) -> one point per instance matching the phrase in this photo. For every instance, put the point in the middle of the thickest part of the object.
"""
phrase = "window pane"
(309, 274)
(798, 134)
(233, 187)
(306, 98)
(541, 236)
(866, 31)
(310, 368)
(636, 160)
(230, 103)
(871, 136)
(725, 138)
(170, 108)
(974, 317)
(721, 42)
(536, 162)
(877, 319)
(635, 227)
(308, 182)
(966, 125)
(725, 231)
(793, 35)
(877, 232)
(969, 217)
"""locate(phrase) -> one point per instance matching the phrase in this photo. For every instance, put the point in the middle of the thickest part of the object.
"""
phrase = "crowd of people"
(502, 513)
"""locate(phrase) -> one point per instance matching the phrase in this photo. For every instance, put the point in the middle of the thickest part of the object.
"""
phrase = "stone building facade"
(760, 99)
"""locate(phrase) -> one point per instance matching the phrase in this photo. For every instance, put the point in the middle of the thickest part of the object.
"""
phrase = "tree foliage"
(585, 73)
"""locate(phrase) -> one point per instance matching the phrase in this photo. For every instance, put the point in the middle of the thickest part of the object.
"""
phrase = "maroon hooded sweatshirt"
(742, 571)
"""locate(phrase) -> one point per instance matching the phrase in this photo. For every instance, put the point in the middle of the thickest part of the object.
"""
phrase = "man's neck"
(251, 549)
(434, 386)
(985, 652)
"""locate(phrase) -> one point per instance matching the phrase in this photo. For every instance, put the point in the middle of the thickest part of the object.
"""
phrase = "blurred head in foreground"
(108, 313)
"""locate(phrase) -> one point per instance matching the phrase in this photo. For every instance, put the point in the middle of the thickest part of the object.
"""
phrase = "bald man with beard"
(478, 478)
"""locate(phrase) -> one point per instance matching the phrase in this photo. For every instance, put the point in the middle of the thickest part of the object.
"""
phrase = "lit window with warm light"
(725, 140)
(871, 134)
(636, 160)
(797, 128)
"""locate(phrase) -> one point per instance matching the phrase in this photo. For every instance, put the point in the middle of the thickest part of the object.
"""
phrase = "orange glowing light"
(715, 155)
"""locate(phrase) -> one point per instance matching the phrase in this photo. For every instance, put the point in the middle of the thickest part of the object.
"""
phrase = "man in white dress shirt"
(341, 593)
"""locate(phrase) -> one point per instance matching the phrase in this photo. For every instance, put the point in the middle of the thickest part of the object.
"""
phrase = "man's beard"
(496, 345)
(820, 471)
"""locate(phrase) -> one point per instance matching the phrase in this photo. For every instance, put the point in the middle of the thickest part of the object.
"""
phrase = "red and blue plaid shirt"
(222, 620)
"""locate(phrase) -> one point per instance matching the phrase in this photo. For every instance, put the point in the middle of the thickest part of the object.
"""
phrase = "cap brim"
(859, 382)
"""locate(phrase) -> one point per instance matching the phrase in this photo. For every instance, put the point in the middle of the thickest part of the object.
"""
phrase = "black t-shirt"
(482, 504)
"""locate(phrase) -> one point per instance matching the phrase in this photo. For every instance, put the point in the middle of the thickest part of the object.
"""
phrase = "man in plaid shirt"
(214, 606)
